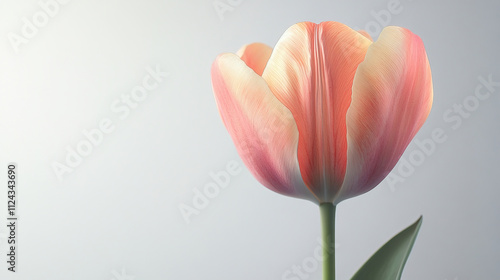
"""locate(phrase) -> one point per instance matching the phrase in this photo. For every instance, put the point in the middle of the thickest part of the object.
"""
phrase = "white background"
(116, 214)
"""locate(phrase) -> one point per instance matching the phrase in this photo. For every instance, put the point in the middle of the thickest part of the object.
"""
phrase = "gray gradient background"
(116, 215)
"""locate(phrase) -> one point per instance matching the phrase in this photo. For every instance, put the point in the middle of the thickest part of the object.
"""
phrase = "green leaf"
(388, 262)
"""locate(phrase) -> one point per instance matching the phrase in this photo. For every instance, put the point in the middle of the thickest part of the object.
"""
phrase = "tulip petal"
(392, 96)
(366, 34)
(255, 56)
(311, 71)
(263, 129)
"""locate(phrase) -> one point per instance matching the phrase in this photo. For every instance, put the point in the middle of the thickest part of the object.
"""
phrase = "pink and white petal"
(392, 97)
(263, 129)
(255, 56)
(366, 34)
(311, 71)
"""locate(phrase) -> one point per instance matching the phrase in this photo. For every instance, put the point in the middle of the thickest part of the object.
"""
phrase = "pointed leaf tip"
(388, 262)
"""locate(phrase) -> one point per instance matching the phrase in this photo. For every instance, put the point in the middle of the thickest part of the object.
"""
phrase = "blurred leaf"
(388, 262)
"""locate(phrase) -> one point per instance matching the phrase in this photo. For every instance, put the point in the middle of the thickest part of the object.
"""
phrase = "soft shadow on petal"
(262, 128)
(311, 71)
(255, 56)
(392, 96)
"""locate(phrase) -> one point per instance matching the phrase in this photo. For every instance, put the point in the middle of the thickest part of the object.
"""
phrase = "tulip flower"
(327, 113)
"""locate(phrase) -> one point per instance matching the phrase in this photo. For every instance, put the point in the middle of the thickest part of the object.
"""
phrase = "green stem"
(328, 229)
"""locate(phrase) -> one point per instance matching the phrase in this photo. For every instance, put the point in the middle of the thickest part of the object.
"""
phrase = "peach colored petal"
(311, 71)
(255, 56)
(263, 129)
(392, 96)
(366, 34)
